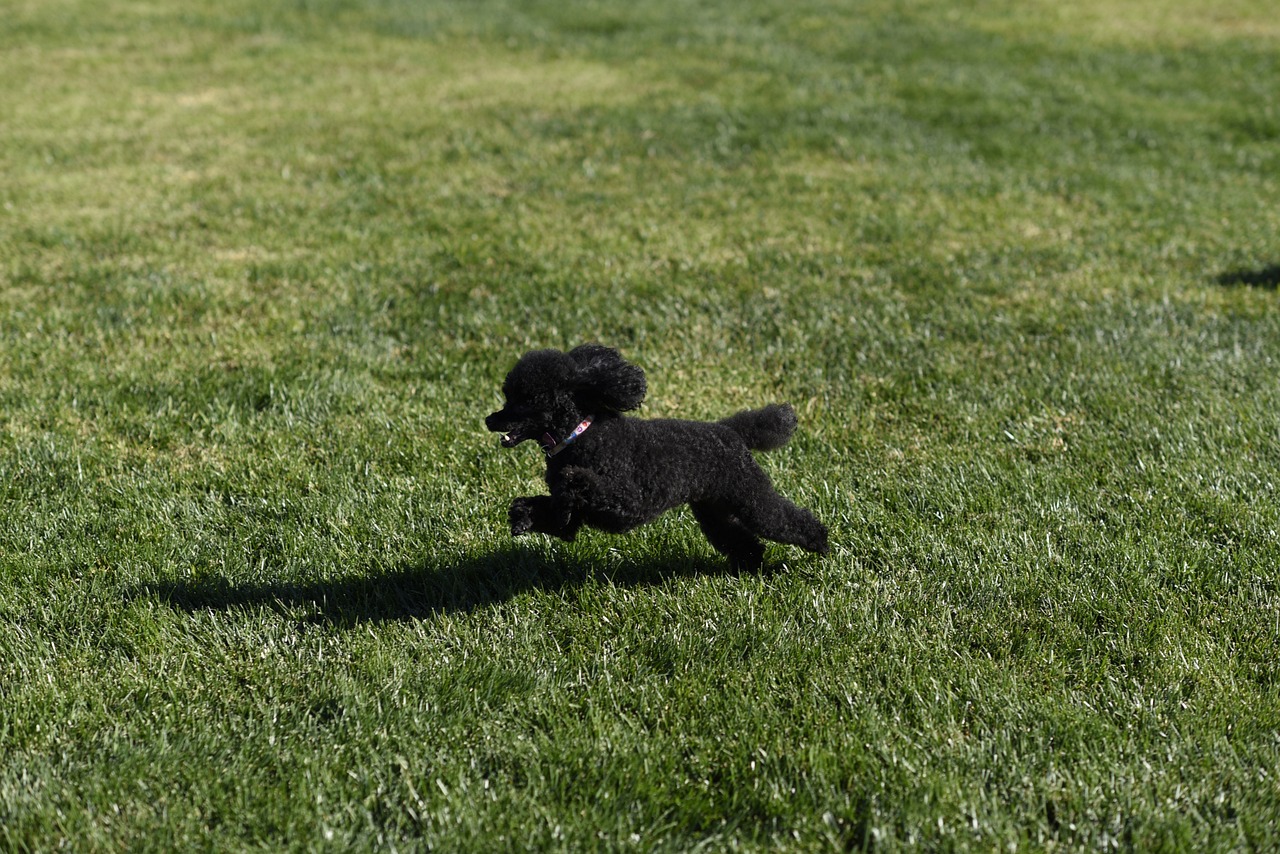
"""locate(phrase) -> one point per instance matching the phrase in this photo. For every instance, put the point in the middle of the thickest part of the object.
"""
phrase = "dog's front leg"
(542, 514)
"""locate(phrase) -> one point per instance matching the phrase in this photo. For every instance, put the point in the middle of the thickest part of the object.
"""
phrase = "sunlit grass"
(262, 270)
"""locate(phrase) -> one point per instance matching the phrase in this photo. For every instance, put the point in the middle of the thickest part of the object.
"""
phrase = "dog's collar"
(551, 447)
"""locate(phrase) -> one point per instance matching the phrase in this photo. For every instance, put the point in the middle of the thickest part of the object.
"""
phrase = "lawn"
(263, 267)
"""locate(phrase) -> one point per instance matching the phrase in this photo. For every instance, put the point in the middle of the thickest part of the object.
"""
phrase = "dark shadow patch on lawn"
(1265, 278)
(422, 591)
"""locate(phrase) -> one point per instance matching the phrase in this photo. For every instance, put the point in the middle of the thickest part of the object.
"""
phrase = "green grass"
(263, 267)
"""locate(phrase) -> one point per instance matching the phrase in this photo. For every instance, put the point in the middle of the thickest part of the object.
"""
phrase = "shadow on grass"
(1265, 278)
(419, 592)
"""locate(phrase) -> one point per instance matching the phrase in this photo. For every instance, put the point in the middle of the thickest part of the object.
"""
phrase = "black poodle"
(612, 472)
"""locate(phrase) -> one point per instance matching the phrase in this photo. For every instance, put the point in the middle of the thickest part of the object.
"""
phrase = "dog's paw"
(521, 516)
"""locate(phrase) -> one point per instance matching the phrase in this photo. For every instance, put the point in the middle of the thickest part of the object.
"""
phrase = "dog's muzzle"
(499, 423)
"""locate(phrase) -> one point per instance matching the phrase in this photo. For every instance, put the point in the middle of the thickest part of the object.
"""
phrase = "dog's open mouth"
(513, 433)
(516, 435)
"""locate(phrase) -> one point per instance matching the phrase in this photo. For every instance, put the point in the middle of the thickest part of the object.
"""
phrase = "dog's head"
(550, 392)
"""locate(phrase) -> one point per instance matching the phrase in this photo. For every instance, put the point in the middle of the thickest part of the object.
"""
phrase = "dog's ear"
(605, 379)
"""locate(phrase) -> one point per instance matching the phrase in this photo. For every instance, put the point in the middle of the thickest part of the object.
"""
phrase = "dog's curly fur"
(622, 472)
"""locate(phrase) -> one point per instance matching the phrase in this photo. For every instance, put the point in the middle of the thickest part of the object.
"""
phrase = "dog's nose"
(491, 421)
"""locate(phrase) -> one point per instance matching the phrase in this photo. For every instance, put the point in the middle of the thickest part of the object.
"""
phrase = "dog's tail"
(764, 429)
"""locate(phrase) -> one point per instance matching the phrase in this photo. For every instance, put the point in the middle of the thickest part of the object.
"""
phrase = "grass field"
(264, 265)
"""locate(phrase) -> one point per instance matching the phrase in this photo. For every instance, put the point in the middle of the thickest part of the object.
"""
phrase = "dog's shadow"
(1263, 278)
(420, 592)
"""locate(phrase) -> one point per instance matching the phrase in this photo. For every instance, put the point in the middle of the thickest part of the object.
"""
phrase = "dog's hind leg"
(729, 536)
(775, 518)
